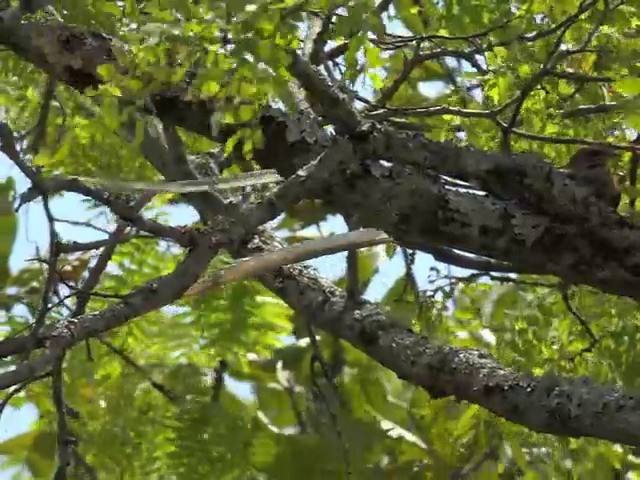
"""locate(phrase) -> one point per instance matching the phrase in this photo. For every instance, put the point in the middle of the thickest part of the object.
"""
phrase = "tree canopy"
(191, 136)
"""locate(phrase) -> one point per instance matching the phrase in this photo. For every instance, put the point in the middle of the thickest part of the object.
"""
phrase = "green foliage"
(276, 416)
(34, 450)
(8, 227)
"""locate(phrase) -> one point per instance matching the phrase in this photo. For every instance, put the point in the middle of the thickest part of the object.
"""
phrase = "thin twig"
(564, 290)
(40, 129)
(163, 390)
(52, 268)
(18, 389)
(74, 247)
(318, 358)
(83, 224)
(634, 162)
(66, 441)
(218, 380)
(268, 261)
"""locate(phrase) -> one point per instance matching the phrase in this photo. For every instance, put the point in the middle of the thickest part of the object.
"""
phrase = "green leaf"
(34, 449)
(373, 56)
(107, 71)
(8, 227)
(245, 113)
(628, 85)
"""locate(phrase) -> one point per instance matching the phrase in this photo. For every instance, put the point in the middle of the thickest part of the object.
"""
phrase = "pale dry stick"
(246, 179)
(268, 261)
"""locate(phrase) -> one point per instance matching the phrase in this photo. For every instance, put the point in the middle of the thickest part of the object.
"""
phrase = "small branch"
(82, 462)
(564, 290)
(74, 247)
(409, 260)
(40, 129)
(434, 111)
(55, 184)
(409, 65)
(52, 268)
(66, 441)
(581, 77)
(316, 55)
(601, 108)
(8, 146)
(290, 388)
(86, 224)
(491, 453)
(634, 162)
(455, 38)
(178, 158)
(474, 277)
(163, 390)
(269, 261)
(96, 271)
(340, 49)
(630, 147)
(555, 57)
(318, 358)
(218, 380)
(353, 277)
(325, 100)
(312, 43)
(17, 390)
(295, 189)
(451, 257)
(419, 58)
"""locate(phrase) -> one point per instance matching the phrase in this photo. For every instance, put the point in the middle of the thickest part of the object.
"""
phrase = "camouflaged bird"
(590, 166)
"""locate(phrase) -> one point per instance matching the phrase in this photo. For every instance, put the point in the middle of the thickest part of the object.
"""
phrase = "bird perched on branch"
(590, 166)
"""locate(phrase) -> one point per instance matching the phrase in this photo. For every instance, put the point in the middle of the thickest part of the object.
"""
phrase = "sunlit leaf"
(8, 227)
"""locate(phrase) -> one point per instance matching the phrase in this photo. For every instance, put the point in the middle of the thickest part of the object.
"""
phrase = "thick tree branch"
(573, 408)
(323, 98)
